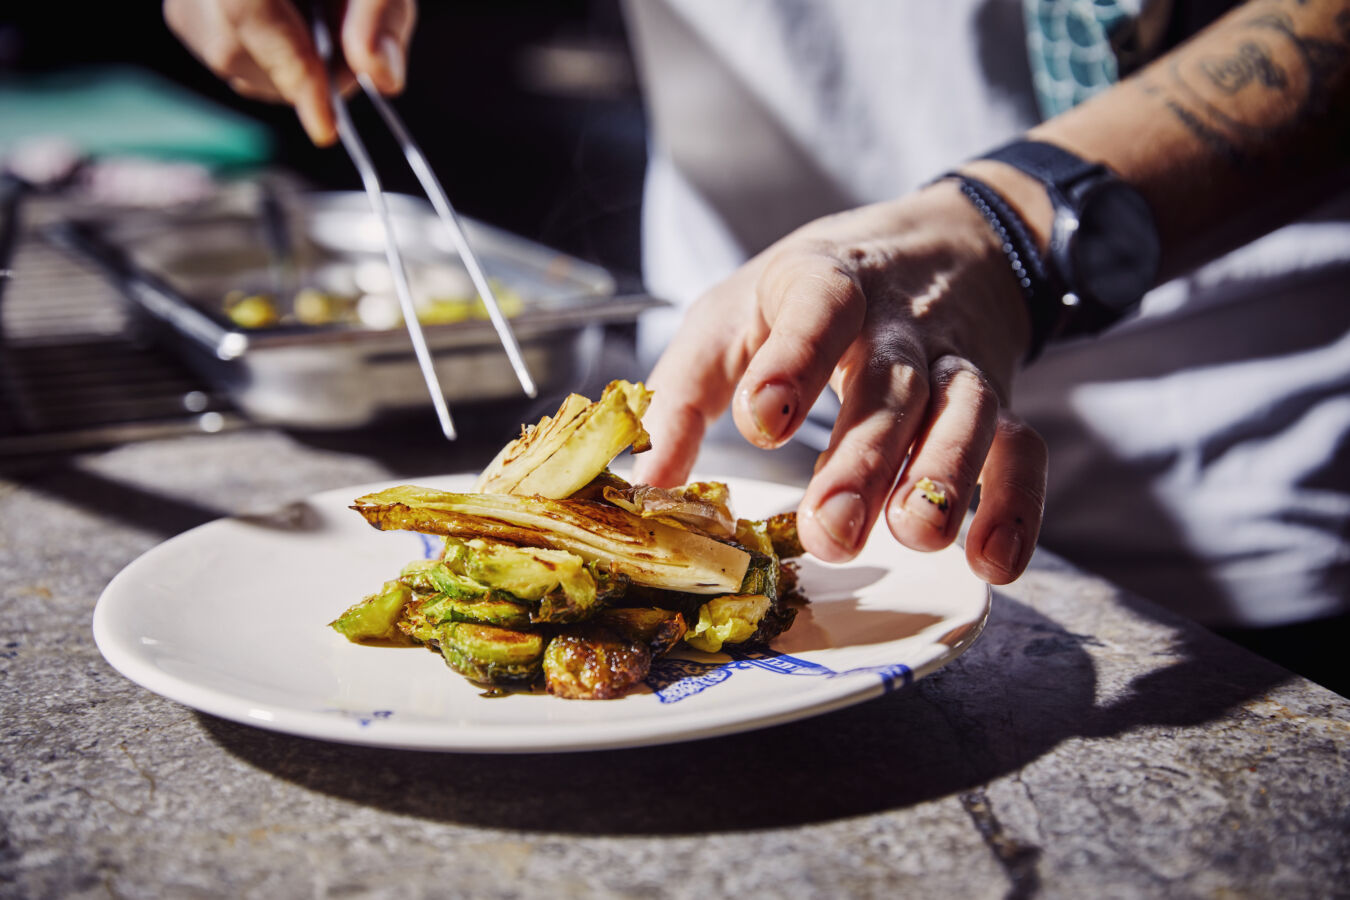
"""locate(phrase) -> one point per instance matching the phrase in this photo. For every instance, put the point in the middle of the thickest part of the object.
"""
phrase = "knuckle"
(963, 380)
(228, 57)
(237, 11)
(825, 277)
(963, 464)
(1025, 440)
(291, 74)
(964, 375)
(1019, 494)
(873, 462)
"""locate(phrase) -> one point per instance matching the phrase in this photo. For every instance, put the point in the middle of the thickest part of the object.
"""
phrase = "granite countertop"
(1089, 744)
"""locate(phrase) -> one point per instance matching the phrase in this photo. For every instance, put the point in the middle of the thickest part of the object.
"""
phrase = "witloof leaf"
(563, 453)
(650, 553)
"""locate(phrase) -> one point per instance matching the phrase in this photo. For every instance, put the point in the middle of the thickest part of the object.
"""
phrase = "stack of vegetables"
(555, 570)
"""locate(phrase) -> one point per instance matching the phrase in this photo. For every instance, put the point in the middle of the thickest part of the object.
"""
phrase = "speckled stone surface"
(1088, 745)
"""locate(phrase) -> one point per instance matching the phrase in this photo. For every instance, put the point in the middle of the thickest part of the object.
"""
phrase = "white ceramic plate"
(231, 619)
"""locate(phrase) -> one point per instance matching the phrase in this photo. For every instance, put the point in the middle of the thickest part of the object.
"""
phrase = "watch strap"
(1058, 169)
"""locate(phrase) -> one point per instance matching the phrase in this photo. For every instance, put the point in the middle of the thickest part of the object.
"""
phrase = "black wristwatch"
(1104, 248)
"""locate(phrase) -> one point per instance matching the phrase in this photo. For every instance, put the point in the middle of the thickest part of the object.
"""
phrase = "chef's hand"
(909, 311)
(263, 49)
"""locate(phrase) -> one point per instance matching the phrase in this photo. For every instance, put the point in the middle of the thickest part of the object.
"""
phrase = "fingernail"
(773, 406)
(841, 515)
(1003, 548)
(928, 501)
(391, 54)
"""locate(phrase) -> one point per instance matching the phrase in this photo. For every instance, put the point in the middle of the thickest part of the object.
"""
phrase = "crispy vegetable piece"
(488, 608)
(650, 553)
(730, 619)
(596, 487)
(754, 536)
(683, 506)
(560, 607)
(487, 654)
(500, 584)
(564, 452)
(782, 531)
(776, 621)
(528, 573)
(659, 629)
(761, 577)
(376, 617)
(591, 662)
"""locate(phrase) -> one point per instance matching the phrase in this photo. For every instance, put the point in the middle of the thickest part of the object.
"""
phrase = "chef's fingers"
(375, 36)
(205, 30)
(693, 380)
(1007, 522)
(926, 508)
(883, 394)
(277, 37)
(812, 308)
(214, 31)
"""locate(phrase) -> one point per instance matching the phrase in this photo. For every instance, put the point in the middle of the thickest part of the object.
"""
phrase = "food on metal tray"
(556, 573)
(339, 297)
(251, 310)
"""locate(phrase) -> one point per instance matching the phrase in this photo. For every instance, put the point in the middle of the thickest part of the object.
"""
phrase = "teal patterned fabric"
(1072, 46)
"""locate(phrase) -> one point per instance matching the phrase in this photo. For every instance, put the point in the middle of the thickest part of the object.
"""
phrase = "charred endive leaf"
(562, 453)
(649, 552)
(701, 506)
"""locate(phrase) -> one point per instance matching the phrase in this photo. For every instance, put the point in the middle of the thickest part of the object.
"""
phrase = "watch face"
(1114, 250)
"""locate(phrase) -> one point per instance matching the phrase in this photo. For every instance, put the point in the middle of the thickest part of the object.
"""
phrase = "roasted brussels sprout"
(376, 617)
(592, 662)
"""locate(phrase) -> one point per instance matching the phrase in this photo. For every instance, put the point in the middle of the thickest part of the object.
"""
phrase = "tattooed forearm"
(1232, 133)
(1221, 144)
(1324, 58)
(1261, 78)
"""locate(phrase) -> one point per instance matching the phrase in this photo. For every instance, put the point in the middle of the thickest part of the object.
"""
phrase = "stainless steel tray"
(345, 375)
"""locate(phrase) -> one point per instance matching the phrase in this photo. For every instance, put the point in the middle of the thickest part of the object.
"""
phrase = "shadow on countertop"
(1036, 687)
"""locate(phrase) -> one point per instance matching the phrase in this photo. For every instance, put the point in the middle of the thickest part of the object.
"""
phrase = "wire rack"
(75, 371)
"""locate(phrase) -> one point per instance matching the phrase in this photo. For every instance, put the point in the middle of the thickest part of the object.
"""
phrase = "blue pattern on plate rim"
(673, 680)
(431, 547)
(363, 718)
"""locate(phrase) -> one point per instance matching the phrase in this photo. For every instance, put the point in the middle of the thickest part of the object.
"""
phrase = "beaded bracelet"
(1039, 287)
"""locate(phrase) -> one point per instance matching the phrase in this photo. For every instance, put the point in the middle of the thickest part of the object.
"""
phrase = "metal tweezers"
(323, 41)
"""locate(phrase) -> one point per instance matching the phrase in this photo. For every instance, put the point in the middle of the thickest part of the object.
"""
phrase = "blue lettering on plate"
(674, 680)
(431, 547)
(362, 718)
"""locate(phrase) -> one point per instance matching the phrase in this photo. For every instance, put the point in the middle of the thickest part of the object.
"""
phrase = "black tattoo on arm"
(1216, 140)
(1242, 101)
(1324, 59)
(1250, 62)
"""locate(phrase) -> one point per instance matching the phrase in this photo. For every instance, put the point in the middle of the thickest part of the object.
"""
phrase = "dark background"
(515, 141)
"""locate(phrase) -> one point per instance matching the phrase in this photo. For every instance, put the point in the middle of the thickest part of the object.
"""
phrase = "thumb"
(692, 383)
